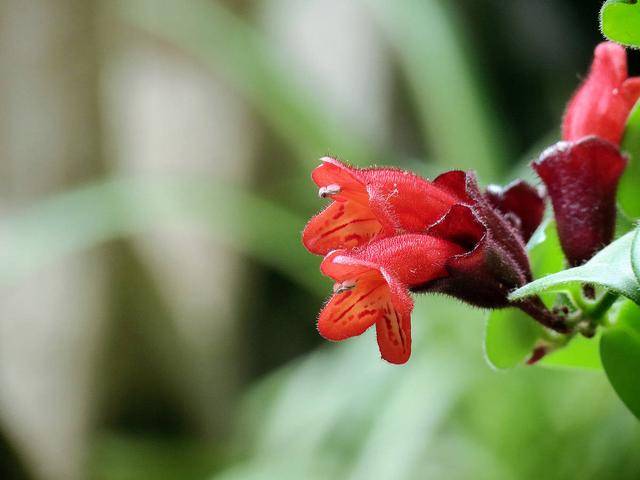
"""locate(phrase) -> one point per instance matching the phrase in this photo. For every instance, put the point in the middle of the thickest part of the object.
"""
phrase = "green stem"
(602, 305)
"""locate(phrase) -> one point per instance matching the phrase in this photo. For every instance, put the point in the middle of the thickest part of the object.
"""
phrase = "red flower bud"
(371, 203)
(582, 179)
(373, 288)
(602, 104)
(521, 204)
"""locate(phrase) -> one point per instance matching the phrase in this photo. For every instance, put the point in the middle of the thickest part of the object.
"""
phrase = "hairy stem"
(539, 312)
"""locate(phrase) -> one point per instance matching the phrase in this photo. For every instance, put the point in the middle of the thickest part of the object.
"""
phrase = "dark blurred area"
(157, 312)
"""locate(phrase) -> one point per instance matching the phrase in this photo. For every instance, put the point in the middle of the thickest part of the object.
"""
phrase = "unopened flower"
(582, 180)
(582, 172)
(521, 204)
(602, 104)
(371, 203)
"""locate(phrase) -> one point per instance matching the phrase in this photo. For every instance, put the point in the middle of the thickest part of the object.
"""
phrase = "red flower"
(372, 287)
(602, 104)
(582, 173)
(474, 252)
(371, 203)
(582, 179)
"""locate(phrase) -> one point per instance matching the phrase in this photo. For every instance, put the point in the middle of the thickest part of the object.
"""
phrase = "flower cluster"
(388, 232)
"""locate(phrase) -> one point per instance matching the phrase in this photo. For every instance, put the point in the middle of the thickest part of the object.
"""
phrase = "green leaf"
(628, 197)
(545, 252)
(620, 352)
(509, 338)
(610, 268)
(580, 352)
(620, 21)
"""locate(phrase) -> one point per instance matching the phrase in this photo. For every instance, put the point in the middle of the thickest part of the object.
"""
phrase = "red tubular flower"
(582, 179)
(474, 252)
(372, 287)
(371, 203)
(602, 104)
(582, 173)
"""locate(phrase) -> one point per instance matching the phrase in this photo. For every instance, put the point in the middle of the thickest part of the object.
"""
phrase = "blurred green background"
(156, 307)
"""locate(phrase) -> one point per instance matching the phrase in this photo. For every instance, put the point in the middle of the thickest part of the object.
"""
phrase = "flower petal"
(373, 287)
(602, 104)
(334, 172)
(455, 182)
(341, 225)
(582, 179)
(393, 328)
(350, 313)
(401, 201)
(521, 203)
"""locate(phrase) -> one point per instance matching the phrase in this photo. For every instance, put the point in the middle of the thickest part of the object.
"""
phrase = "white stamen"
(329, 190)
(343, 286)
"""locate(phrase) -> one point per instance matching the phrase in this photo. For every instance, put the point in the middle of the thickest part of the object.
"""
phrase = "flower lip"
(339, 181)
(341, 267)
(368, 297)
(372, 287)
(374, 203)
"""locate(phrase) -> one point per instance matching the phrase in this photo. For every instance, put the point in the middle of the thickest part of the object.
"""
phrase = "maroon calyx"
(582, 179)
(522, 204)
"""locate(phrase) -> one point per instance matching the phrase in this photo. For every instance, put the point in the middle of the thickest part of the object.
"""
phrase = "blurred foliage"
(479, 84)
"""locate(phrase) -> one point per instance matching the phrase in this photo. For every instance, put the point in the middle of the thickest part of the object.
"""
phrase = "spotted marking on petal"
(341, 225)
(351, 313)
(393, 332)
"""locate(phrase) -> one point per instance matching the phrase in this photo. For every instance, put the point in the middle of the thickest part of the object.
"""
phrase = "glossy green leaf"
(628, 196)
(610, 268)
(545, 252)
(580, 352)
(620, 352)
(620, 21)
(624, 224)
(509, 338)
